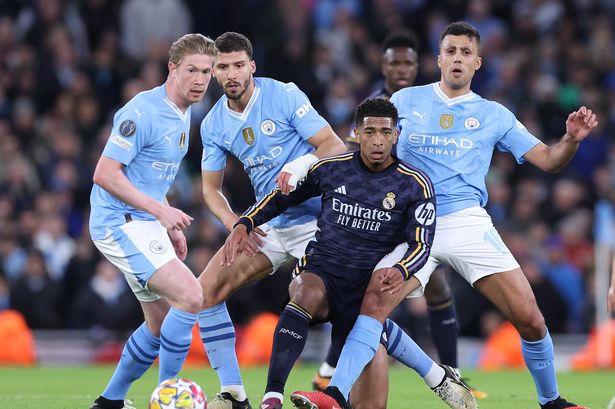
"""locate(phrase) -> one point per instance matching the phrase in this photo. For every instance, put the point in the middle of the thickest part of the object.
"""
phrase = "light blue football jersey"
(150, 135)
(452, 140)
(273, 130)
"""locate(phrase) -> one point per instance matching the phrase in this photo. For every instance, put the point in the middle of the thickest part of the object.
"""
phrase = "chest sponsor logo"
(425, 214)
(248, 135)
(471, 123)
(446, 121)
(389, 201)
(128, 128)
(182, 140)
(268, 127)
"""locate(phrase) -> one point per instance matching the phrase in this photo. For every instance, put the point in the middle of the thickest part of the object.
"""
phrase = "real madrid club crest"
(248, 135)
(268, 127)
(182, 140)
(446, 121)
(389, 201)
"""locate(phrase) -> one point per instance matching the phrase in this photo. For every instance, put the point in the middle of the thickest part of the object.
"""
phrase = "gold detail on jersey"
(389, 201)
(446, 120)
(248, 135)
(182, 140)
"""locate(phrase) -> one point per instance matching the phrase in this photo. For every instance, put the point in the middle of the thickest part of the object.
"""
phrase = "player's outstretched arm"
(553, 158)
(108, 175)
(326, 142)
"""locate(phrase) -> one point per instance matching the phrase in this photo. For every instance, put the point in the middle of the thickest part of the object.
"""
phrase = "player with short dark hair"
(451, 133)
(399, 68)
(370, 202)
(272, 128)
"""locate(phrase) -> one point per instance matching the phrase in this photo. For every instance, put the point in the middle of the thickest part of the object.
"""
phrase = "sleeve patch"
(121, 142)
(425, 214)
(128, 128)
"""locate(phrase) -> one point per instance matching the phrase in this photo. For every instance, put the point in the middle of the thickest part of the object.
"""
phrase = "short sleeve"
(517, 139)
(130, 133)
(299, 111)
(214, 156)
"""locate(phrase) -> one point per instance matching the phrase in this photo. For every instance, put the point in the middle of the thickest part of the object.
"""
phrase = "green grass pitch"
(77, 387)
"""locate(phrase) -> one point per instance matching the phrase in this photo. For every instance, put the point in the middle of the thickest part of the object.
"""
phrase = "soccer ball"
(178, 393)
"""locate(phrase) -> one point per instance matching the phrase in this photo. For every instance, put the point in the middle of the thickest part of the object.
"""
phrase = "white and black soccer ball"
(178, 393)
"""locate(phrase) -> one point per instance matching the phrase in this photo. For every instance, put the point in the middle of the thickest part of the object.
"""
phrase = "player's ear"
(395, 135)
(253, 65)
(438, 61)
(171, 66)
(479, 62)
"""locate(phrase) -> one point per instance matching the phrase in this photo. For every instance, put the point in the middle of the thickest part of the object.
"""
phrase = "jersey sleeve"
(131, 131)
(214, 156)
(517, 139)
(420, 225)
(299, 111)
(276, 203)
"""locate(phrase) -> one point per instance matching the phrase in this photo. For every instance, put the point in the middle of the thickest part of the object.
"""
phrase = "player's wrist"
(245, 221)
(402, 270)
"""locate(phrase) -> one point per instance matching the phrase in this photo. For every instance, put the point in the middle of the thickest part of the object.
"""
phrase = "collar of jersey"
(182, 115)
(243, 115)
(451, 101)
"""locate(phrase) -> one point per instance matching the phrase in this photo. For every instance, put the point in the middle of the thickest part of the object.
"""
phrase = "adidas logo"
(341, 190)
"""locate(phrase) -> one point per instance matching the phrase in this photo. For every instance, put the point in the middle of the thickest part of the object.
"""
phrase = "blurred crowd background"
(66, 66)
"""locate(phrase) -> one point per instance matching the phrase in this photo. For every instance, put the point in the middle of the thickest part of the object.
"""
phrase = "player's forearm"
(561, 153)
(220, 207)
(117, 184)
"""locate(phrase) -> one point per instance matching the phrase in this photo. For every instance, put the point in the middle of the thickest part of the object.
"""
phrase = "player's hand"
(234, 243)
(580, 123)
(283, 181)
(172, 218)
(391, 280)
(294, 171)
(610, 304)
(179, 243)
(254, 243)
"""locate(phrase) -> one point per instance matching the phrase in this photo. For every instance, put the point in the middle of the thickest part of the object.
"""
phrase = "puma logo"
(419, 115)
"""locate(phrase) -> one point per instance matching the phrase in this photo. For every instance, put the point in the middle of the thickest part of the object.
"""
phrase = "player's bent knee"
(531, 325)
(375, 306)
(437, 290)
(192, 301)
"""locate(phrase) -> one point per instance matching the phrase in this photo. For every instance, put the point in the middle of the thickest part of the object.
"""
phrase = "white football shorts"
(138, 248)
(283, 243)
(465, 240)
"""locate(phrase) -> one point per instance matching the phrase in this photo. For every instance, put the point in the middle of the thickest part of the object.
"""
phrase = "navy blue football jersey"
(364, 215)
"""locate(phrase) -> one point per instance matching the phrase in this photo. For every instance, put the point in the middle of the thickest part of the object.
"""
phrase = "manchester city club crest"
(182, 140)
(446, 121)
(248, 135)
(471, 123)
(268, 127)
(157, 247)
(389, 201)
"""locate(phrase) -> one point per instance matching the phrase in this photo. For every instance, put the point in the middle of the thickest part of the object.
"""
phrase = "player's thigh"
(177, 284)
(437, 290)
(308, 291)
(219, 281)
(138, 249)
(372, 388)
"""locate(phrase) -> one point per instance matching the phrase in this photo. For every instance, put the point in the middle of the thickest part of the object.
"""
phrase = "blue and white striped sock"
(175, 340)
